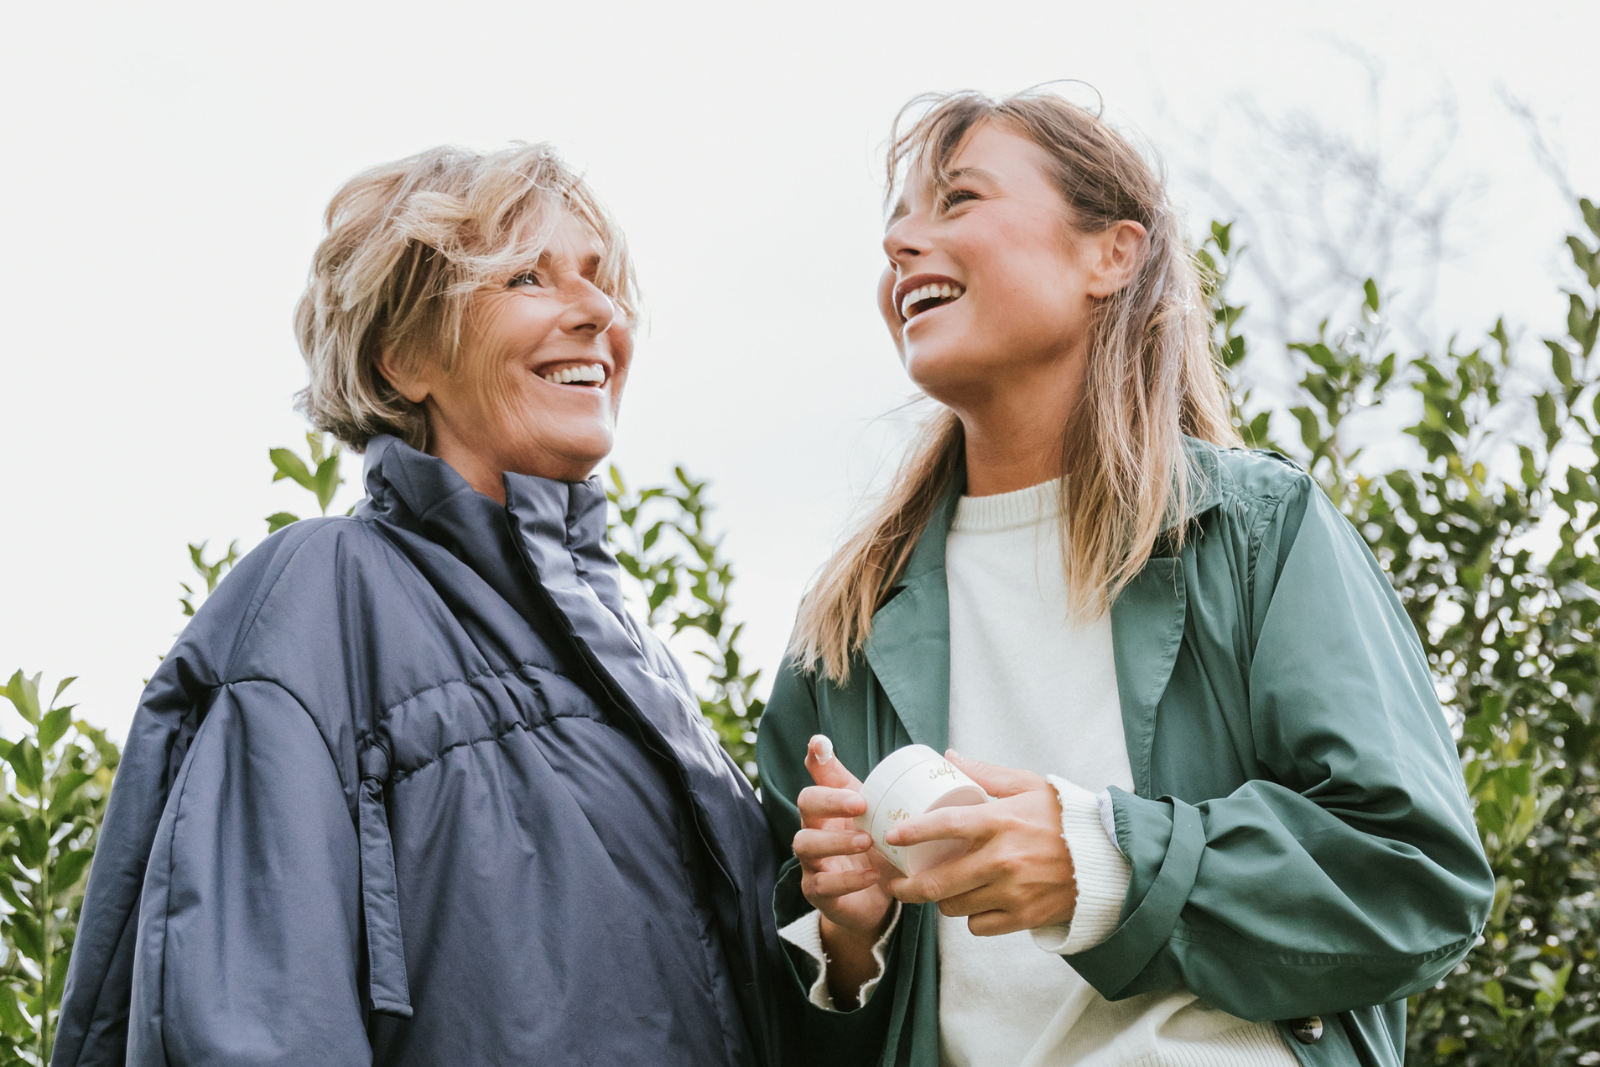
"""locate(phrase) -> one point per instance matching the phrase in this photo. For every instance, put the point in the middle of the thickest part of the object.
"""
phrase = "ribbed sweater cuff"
(1099, 868)
(805, 934)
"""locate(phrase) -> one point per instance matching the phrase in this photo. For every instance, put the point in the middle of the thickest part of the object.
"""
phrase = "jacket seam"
(465, 679)
(1271, 508)
(180, 787)
(259, 600)
(1318, 959)
(396, 777)
(499, 735)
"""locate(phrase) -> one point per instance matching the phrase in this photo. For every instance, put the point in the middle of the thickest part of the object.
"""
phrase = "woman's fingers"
(818, 803)
(971, 824)
(950, 879)
(821, 886)
(825, 768)
(996, 780)
(814, 846)
(973, 902)
(995, 923)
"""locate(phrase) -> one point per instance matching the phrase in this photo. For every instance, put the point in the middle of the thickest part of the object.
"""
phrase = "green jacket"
(1300, 837)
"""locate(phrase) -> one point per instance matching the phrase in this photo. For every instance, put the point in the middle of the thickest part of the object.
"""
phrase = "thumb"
(825, 767)
(996, 781)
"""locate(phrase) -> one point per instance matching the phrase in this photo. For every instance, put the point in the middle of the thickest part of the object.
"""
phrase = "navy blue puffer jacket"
(413, 789)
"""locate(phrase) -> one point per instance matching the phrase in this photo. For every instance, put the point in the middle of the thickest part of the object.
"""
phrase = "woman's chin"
(946, 372)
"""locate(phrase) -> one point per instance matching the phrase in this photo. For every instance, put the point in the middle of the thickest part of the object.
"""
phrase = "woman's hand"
(841, 876)
(1017, 873)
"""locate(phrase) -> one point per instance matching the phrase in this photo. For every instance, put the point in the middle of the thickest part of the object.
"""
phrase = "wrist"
(837, 936)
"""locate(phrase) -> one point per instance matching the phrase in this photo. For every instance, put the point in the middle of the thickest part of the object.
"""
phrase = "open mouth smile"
(578, 375)
(924, 292)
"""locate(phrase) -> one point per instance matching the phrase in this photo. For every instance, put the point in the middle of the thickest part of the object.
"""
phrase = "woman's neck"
(1014, 435)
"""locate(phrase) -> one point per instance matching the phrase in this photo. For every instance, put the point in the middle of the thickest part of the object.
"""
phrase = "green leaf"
(70, 868)
(1234, 351)
(1587, 261)
(279, 519)
(28, 936)
(1310, 428)
(327, 481)
(62, 797)
(1580, 324)
(1546, 405)
(1561, 363)
(1591, 215)
(1371, 289)
(12, 1021)
(1221, 233)
(33, 842)
(53, 727)
(1385, 371)
(1256, 433)
(288, 465)
(23, 692)
(26, 762)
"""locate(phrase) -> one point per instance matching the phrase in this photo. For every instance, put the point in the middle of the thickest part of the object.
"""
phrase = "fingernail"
(822, 750)
(862, 841)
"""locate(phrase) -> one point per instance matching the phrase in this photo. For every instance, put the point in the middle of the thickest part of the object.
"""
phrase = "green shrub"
(1490, 540)
(57, 777)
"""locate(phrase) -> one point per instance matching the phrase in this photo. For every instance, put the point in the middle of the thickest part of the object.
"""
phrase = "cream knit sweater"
(1032, 687)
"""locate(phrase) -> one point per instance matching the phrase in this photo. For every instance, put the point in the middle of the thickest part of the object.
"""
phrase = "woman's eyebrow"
(970, 172)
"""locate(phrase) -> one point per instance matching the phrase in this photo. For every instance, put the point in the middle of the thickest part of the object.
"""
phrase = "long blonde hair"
(1151, 378)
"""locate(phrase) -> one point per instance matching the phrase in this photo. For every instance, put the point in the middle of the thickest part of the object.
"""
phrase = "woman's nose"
(903, 241)
(590, 310)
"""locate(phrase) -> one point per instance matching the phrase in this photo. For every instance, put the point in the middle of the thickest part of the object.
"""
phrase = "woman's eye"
(526, 278)
(958, 196)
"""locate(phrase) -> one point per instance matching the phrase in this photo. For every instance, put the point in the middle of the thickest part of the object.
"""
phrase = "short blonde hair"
(407, 245)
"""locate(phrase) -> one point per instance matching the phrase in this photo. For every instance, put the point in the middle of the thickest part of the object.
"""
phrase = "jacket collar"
(1203, 480)
(909, 647)
(425, 495)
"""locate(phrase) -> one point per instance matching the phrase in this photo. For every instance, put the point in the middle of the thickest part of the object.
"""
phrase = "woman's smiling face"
(988, 283)
(537, 382)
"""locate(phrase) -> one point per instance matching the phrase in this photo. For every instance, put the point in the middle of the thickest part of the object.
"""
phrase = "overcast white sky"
(166, 166)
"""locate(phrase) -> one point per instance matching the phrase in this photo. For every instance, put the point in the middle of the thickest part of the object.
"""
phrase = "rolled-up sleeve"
(1351, 874)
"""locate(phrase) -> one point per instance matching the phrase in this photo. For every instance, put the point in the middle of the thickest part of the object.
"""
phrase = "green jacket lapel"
(909, 649)
(1147, 622)
(1146, 630)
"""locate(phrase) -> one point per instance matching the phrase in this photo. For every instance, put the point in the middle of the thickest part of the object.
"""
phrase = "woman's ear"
(1115, 256)
(413, 383)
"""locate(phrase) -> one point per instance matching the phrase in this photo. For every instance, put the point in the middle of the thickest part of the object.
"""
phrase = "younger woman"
(1230, 825)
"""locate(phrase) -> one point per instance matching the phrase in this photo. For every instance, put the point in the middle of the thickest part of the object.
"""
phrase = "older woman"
(413, 787)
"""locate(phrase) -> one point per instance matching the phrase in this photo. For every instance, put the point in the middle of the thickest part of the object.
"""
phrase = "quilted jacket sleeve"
(1349, 874)
(249, 933)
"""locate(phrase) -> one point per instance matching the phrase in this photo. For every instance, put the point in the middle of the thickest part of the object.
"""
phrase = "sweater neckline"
(1008, 511)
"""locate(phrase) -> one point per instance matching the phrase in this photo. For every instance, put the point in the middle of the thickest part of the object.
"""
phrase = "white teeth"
(941, 290)
(592, 372)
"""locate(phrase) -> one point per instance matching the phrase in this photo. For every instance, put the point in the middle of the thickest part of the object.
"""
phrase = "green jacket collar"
(909, 648)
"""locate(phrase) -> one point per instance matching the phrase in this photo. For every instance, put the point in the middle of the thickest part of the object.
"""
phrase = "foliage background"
(1487, 529)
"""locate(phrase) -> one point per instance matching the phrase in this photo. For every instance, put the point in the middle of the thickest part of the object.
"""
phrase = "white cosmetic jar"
(908, 782)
